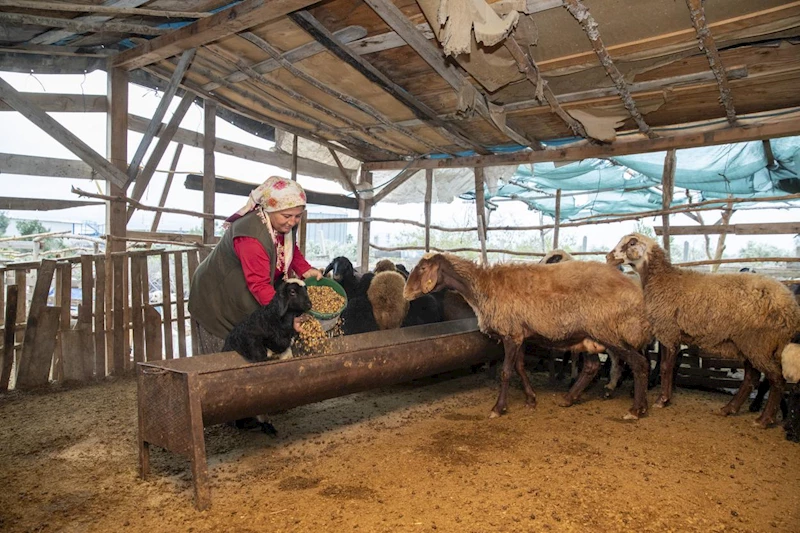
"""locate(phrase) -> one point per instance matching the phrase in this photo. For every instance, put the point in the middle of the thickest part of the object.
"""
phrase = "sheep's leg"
(750, 376)
(614, 374)
(776, 386)
(519, 364)
(591, 365)
(761, 392)
(511, 349)
(669, 353)
(640, 366)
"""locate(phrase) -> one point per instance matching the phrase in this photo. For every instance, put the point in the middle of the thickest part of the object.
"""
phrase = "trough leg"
(197, 454)
(750, 376)
(511, 350)
(591, 365)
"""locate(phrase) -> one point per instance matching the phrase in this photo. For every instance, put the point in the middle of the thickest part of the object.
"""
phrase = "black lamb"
(342, 271)
(268, 331)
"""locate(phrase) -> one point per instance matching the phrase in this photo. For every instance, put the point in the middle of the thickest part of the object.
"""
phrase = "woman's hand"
(313, 272)
(298, 322)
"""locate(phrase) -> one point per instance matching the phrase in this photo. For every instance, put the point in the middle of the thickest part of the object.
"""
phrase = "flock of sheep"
(591, 307)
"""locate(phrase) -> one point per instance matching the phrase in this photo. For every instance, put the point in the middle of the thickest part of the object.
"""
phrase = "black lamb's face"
(296, 295)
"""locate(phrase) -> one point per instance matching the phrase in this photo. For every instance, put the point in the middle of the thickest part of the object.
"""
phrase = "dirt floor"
(416, 457)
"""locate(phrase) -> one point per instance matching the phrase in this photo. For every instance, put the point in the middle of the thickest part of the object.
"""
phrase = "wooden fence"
(49, 336)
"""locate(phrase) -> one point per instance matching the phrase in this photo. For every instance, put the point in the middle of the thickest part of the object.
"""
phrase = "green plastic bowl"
(327, 282)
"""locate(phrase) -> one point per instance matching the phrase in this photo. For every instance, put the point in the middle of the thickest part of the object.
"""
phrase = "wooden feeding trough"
(178, 397)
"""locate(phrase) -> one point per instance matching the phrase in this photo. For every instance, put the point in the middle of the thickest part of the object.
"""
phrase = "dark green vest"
(219, 298)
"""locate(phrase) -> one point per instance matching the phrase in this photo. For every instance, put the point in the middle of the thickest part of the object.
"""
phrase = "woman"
(256, 250)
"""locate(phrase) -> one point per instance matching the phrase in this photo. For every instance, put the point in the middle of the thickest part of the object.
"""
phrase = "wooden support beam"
(428, 200)
(396, 20)
(161, 110)
(707, 44)
(397, 181)
(64, 103)
(117, 150)
(114, 11)
(581, 13)
(667, 189)
(167, 184)
(144, 177)
(557, 219)
(305, 20)
(10, 323)
(55, 36)
(209, 173)
(756, 132)
(40, 204)
(40, 334)
(236, 18)
(353, 102)
(364, 213)
(345, 180)
(78, 26)
(480, 212)
(28, 165)
(307, 167)
(194, 182)
(761, 228)
(61, 134)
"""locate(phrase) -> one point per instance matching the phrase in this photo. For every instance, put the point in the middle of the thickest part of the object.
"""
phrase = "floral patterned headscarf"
(275, 194)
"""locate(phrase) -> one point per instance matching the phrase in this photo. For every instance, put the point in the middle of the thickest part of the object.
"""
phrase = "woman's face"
(283, 221)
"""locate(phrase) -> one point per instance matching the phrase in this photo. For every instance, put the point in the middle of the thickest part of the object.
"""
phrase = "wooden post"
(428, 195)
(166, 306)
(557, 221)
(481, 213)
(167, 184)
(209, 172)
(117, 153)
(302, 231)
(180, 304)
(8, 337)
(667, 184)
(100, 317)
(364, 212)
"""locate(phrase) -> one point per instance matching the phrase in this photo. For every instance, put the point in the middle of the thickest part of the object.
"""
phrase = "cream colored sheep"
(736, 316)
(565, 305)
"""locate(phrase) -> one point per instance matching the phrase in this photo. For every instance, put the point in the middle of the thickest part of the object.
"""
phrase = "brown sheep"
(385, 293)
(735, 316)
(586, 303)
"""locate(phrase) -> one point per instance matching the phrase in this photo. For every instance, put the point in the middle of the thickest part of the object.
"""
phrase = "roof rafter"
(706, 40)
(55, 36)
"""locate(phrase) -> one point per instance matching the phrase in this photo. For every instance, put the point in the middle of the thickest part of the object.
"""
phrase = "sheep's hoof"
(566, 401)
(726, 411)
(661, 402)
(630, 416)
(764, 423)
(494, 414)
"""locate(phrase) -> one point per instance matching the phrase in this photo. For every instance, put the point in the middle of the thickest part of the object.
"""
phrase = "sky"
(19, 136)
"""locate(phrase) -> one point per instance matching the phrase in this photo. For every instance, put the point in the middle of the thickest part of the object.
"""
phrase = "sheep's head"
(340, 268)
(556, 256)
(384, 265)
(424, 277)
(631, 250)
(292, 295)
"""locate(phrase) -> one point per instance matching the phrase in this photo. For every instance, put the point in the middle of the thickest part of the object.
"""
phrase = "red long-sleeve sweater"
(255, 265)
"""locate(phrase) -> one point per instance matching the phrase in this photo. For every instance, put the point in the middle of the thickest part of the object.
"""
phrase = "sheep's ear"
(328, 268)
(429, 278)
(282, 302)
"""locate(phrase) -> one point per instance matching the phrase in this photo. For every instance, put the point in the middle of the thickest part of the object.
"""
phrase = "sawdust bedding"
(421, 456)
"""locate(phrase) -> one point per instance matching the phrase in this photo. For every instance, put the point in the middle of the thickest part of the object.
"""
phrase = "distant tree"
(3, 222)
(31, 227)
(760, 249)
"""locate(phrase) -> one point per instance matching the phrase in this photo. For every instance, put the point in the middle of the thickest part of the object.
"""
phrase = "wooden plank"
(180, 304)
(77, 349)
(161, 110)
(209, 174)
(55, 36)
(99, 317)
(41, 204)
(187, 238)
(119, 354)
(8, 336)
(305, 20)
(757, 132)
(152, 332)
(21, 281)
(64, 300)
(364, 213)
(763, 228)
(194, 182)
(87, 283)
(144, 177)
(237, 18)
(192, 261)
(78, 26)
(26, 165)
(40, 338)
(34, 367)
(108, 10)
(557, 219)
(61, 134)
(137, 317)
(166, 305)
(282, 160)
(706, 382)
